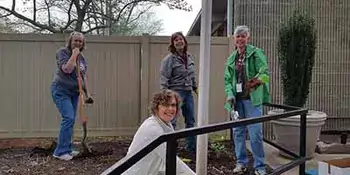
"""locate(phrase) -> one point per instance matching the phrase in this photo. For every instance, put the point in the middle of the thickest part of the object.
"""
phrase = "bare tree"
(87, 16)
(5, 27)
(138, 25)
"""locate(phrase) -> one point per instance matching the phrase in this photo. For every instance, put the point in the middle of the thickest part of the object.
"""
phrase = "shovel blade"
(85, 145)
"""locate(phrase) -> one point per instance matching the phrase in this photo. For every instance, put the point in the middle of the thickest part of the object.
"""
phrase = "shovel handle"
(81, 97)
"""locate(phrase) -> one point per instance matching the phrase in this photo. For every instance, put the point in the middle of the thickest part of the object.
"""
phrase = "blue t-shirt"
(68, 81)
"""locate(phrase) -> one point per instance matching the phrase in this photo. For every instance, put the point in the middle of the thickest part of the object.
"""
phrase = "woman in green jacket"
(247, 88)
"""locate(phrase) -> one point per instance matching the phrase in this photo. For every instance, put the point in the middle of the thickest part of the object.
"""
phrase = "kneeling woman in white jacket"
(164, 107)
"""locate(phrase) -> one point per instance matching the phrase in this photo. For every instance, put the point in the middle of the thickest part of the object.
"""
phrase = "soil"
(33, 156)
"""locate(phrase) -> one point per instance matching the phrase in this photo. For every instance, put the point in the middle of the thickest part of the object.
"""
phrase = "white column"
(204, 82)
(229, 16)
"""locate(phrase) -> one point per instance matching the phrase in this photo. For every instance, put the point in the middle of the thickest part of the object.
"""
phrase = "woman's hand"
(252, 84)
(68, 66)
(76, 52)
(89, 100)
(231, 100)
(195, 90)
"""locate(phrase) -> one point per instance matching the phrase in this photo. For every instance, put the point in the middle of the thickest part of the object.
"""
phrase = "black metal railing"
(171, 150)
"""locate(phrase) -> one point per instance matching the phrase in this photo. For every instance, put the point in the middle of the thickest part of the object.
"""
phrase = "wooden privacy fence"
(123, 76)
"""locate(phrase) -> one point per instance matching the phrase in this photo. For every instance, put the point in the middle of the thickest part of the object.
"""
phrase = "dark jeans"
(187, 109)
(66, 103)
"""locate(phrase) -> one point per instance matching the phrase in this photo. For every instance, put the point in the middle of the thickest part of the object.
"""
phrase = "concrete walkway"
(274, 160)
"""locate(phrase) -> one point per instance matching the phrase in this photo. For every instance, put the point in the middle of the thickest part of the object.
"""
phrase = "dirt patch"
(19, 160)
(221, 158)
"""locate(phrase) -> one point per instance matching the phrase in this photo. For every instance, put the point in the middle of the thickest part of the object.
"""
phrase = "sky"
(173, 20)
(177, 20)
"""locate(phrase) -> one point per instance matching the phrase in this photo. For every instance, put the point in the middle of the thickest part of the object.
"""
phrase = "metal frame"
(171, 152)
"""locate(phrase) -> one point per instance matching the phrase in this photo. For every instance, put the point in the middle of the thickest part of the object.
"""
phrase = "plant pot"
(287, 131)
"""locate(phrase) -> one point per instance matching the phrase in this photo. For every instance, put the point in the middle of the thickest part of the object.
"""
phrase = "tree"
(5, 27)
(86, 16)
(147, 23)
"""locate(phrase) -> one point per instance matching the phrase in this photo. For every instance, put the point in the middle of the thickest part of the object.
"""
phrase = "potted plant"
(296, 54)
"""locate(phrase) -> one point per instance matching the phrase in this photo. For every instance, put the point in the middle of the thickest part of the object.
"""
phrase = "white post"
(204, 81)
(229, 16)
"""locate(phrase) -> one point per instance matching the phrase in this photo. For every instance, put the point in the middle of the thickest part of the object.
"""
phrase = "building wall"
(331, 83)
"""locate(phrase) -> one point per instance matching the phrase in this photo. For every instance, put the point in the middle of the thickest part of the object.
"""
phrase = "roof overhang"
(219, 9)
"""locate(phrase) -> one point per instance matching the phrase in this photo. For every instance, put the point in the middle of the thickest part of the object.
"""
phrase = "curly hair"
(171, 46)
(70, 38)
(164, 98)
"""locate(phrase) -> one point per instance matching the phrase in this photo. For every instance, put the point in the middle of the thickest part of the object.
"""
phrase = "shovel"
(82, 112)
(233, 115)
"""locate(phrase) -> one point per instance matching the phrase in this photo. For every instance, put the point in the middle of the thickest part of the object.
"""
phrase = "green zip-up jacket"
(255, 67)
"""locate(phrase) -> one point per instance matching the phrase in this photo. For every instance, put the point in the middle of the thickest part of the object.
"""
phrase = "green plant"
(217, 147)
(296, 53)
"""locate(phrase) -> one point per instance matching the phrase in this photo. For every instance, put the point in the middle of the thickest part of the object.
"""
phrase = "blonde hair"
(70, 38)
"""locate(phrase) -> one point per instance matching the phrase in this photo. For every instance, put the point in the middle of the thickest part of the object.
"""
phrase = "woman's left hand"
(253, 83)
(89, 100)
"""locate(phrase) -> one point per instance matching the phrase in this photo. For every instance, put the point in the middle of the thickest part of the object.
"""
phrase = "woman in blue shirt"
(64, 90)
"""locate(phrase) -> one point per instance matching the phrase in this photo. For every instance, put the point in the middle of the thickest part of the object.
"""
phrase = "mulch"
(33, 156)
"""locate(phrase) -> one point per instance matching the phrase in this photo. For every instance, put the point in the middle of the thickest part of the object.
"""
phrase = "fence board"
(124, 74)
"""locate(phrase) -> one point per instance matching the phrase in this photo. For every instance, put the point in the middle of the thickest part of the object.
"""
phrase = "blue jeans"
(66, 103)
(247, 110)
(188, 113)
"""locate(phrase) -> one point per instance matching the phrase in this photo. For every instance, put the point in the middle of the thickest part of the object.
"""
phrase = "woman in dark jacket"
(65, 94)
(177, 72)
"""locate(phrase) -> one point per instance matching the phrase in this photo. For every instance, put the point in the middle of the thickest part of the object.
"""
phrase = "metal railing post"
(170, 168)
(302, 147)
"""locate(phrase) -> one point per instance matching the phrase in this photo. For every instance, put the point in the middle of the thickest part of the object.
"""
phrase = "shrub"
(296, 55)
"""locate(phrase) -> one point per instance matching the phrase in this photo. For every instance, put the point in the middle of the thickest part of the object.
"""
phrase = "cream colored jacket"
(154, 162)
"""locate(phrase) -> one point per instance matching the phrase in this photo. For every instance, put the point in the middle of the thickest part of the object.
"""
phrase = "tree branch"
(125, 6)
(37, 24)
(13, 5)
(24, 24)
(69, 21)
(81, 14)
(34, 10)
(48, 12)
(86, 13)
(7, 15)
(95, 28)
(140, 14)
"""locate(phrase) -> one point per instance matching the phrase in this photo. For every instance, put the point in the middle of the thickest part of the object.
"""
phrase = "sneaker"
(239, 169)
(259, 172)
(65, 157)
(75, 153)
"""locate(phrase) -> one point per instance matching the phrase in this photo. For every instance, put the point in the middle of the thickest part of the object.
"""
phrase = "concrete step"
(275, 160)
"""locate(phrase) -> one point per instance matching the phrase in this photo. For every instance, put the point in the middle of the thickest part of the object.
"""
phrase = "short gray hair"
(241, 30)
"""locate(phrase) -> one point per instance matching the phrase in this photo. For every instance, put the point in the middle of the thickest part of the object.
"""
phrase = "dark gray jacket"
(175, 76)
